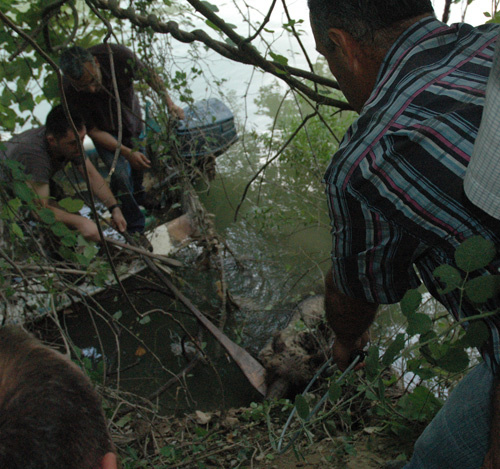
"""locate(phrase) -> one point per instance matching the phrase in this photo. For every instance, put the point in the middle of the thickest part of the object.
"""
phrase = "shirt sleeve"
(372, 259)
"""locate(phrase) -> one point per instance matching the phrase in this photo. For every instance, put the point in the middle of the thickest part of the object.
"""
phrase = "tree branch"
(242, 51)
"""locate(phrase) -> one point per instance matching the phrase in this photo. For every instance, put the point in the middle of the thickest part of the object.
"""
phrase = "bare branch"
(241, 51)
(280, 151)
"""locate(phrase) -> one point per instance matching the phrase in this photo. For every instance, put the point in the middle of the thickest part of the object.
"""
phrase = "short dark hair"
(50, 414)
(72, 61)
(363, 18)
(57, 124)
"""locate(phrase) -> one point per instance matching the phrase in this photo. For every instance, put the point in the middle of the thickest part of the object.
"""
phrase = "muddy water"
(273, 263)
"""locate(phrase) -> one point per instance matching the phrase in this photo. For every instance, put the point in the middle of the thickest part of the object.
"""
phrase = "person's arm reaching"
(350, 319)
(136, 159)
(101, 189)
(158, 85)
(86, 227)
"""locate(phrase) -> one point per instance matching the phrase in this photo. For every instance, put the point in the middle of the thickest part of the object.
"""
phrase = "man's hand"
(177, 111)
(138, 160)
(342, 351)
(118, 221)
(88, 229)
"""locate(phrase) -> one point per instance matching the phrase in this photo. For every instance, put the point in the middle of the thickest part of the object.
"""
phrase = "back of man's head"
(363, 18)
(50, 415)
(57, 124)
(72, 61)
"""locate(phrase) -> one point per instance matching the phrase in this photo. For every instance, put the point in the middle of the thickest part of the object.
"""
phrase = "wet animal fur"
(295, 353)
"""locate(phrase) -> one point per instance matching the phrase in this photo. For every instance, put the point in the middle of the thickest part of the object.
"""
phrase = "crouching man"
(45, 150)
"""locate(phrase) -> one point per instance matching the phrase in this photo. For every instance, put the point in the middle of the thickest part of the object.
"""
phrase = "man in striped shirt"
(395, 191)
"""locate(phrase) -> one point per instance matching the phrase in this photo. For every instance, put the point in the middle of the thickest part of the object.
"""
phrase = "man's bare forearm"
(107, 141)
(99, 186)
(348, 317)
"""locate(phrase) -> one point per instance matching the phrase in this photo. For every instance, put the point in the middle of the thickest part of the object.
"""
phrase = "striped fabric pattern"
(395, 186)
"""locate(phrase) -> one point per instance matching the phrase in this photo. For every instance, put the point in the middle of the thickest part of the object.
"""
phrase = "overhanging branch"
(241, 51)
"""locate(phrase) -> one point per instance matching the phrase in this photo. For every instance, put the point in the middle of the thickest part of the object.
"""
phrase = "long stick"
(251, 368)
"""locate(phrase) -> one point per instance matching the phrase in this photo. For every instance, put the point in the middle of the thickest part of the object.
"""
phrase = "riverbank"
(340, 437)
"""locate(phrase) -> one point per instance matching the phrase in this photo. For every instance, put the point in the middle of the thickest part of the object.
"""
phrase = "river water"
(275, 259)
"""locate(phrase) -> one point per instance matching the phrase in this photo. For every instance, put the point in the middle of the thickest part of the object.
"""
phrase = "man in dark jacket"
(89, 75)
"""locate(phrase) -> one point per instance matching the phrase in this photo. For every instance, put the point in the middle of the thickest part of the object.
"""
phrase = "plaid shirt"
(395, 186)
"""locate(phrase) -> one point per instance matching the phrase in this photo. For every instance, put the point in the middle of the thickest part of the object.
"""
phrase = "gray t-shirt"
(31, 149)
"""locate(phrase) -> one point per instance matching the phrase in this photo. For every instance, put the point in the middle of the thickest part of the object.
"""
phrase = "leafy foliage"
(430, 348)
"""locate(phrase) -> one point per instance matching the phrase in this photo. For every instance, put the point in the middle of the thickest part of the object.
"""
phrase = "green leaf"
(90, 251)
(212, 25)
(16, 168)
(46, 215)
(100, 279)
(430, 335)
(420, 405)
(396, 346)
(11, 209)
(71, 205)
(16, 229)
(425, 373)
(279, 58)
(302, 406)
(454, 360)
(474, 253)
(334, 392)
(372, 363)
(482, 289)
(449, 276)
(81, 259)
(210, 6)
(124, 420)
(476, 335)
(418, 323)
(23, 191)
(145, 320)
(117, 316)
(69, 240)
(60, 229)
(410, 302)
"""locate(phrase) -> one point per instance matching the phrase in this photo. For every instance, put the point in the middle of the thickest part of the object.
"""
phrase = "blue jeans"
(125, 183)
(458, 436)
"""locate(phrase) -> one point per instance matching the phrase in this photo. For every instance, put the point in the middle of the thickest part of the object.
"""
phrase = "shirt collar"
(408, 40)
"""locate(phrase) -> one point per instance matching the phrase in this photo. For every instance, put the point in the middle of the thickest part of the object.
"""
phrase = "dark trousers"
(126, 184)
